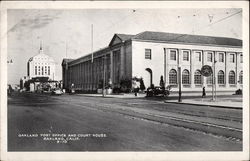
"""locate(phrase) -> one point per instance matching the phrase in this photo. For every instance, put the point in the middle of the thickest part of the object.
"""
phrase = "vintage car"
(156, 91)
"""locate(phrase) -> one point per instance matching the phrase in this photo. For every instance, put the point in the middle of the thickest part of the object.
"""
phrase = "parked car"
(57, 91)
(155, 91)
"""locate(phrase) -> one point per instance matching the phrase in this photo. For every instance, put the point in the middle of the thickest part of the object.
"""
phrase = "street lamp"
(179, 82)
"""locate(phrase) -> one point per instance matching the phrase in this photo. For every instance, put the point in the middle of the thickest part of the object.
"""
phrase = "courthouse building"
(150, 55)
(41, 65)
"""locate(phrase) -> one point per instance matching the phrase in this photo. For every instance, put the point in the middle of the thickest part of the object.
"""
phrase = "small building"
(150, 55)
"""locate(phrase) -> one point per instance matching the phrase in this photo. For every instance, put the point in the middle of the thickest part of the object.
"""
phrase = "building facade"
(41, 65)
(150, 55)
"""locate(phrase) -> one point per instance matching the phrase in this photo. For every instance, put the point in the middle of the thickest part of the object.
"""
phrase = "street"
(41, 122)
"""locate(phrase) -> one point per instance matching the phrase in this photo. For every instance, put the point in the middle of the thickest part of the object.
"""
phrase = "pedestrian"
(135, 86)
(203, 92)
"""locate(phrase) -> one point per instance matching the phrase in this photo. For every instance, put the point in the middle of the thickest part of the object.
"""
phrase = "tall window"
(210, 80)
(185, 77)
(45, 70)
(241, 77)
(185, 56)
(221, 57)
(232, 58)
(209, 57)
(241, 58)
(147, 53)
(198, 56)
(42, 70)
(231, 77)
(48, 70)
(35, 70)
(221, 79)
(172, 77)
(197, 77)
(38, 70)
(172, 54)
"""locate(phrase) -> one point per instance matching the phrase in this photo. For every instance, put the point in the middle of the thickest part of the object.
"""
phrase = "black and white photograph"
(125, 79)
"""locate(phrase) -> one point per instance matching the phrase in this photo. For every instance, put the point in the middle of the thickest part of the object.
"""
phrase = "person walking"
(203, 92)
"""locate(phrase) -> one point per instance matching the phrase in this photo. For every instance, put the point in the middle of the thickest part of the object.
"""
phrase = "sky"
(27, 28)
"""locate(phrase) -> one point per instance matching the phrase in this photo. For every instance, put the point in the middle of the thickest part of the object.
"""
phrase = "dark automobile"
(155, 91)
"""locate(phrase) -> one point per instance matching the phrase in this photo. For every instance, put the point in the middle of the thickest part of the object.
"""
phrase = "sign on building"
(206, 70)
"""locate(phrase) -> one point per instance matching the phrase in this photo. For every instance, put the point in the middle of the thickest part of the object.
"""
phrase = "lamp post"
(179, 82)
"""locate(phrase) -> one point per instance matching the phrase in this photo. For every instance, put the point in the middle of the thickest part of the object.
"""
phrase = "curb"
(195, 104)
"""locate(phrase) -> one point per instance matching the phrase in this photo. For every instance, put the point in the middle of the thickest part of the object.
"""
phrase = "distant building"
(22, 81)
(41, 65)
(151, 55)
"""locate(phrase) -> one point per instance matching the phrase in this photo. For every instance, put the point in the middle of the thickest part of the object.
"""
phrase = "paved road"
(39, 122)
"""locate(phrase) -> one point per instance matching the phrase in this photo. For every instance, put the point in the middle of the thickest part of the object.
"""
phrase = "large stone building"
(41, 65)
(151, 55)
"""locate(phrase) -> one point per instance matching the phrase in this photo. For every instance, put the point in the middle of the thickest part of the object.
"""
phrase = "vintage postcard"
(124, 80)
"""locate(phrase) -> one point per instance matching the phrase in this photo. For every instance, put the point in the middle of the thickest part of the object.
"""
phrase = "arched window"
(231, 77)
(221, 79)
(197, 77)
(172, 77)
(241, 77)
(185, 77)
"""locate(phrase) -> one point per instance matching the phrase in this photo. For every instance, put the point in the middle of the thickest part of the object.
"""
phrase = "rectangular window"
(147, 53)
(185, 56)
(173, 55)
(241, 58)
(231, 58)
(209, 57)
(198, 56)
(221, 57)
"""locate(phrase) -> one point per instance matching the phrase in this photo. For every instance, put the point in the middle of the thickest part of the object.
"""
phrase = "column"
(111, 66)
(236, 69)
(204, 82)
(165, 72)
(122, 55)
(192, 57)
(226, 76)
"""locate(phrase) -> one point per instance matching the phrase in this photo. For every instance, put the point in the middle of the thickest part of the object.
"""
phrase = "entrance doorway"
(149, 80)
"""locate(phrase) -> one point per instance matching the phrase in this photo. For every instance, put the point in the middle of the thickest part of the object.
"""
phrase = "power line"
(208, 25)
(221, 20)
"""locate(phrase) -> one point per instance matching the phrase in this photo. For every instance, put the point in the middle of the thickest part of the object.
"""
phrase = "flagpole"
(92, 59)
(92, 43)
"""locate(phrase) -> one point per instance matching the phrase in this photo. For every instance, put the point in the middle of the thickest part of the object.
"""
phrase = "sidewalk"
(222, 101)
(227, 102)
